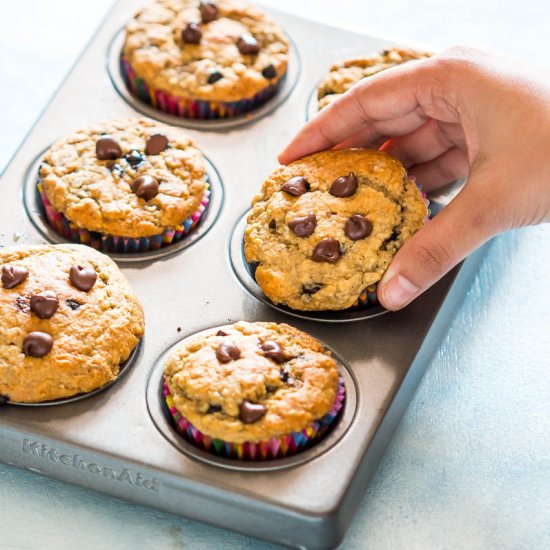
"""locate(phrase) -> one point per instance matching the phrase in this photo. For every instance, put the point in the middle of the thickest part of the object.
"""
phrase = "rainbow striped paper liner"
(118, 244)
(192, 108)
(369, 298)
(274, 448)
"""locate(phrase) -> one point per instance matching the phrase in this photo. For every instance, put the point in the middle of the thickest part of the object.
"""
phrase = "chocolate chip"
(156, 144)
(134, 158)
(344, 186)
(214, 409)
(228, 351)
(83, 278)
(248, 45)
(13, 275)
(192, 34)
(45, 304)
(296, 186)
(312, 288)
(4, 399)
(37, 344)
(273, 350)
(209, 11)
(303, 226)
(287, 378)
(146, 187)
(272, 225)
(326, 250)
(269, 72)
(221, 333)
(251, 412)
(116, 167)
(107, 148)
(22, 304)
(73, 304)
(214, 76)
(357, 227)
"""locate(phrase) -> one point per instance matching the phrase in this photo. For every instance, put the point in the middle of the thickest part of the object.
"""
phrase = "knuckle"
(434, 259)
(462, 61)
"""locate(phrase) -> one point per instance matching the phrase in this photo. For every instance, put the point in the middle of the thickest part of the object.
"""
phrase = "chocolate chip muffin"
(203, 59)
(68, 319)
(326, 227)
(253, 390)
(124, 185)
(344, 74)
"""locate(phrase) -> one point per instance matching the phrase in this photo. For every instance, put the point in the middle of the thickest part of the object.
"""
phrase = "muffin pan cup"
(166, 423)
(196, 114)
(121, 441)
(55, 227)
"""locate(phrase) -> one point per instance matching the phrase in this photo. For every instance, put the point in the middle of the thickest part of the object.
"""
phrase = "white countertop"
(469, 466)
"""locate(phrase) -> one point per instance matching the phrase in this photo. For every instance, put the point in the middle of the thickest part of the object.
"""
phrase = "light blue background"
(469, 466)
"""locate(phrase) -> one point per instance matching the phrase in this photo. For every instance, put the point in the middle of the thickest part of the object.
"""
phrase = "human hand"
(463, 113)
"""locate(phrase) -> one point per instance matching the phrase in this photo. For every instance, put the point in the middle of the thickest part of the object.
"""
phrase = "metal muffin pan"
(111, 442)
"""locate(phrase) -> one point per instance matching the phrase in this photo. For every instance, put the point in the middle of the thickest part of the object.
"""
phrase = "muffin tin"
(121, 441)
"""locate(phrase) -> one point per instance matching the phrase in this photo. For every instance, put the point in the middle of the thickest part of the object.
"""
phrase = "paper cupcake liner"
(273, 448)
(117, 244)
(369, 298)
(192, 108)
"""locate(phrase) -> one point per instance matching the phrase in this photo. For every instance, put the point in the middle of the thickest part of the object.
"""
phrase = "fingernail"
(398, 292)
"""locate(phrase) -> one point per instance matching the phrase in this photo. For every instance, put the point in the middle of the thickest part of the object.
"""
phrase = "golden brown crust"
(198, 381)
(90, 341)
(93, 197)
(286, 271)
(345, 74)
(155, 51)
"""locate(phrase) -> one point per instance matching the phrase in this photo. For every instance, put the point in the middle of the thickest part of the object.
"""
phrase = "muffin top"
(125, 177)
(325, 227)
(344, 74)
(252, 381)
(222, 51)
(68, 318)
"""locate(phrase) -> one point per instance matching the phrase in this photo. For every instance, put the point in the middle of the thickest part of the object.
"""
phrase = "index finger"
(370, 107)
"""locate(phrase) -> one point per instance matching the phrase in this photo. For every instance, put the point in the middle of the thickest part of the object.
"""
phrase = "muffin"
(325, 228)
(203, 60)
(68, 319)
(343, 75)
(253, 391)
(124, 185)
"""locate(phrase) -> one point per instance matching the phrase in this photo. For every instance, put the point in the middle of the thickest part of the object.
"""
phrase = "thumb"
(461, 227)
